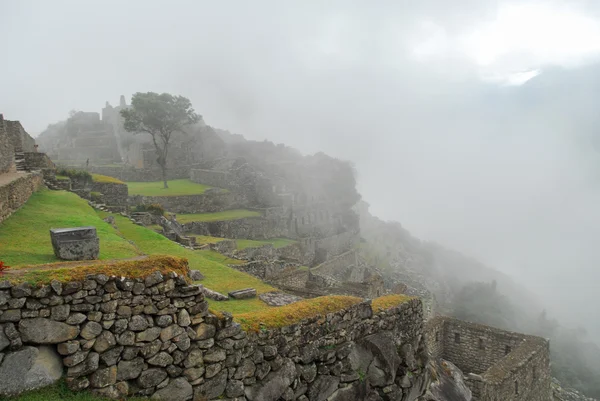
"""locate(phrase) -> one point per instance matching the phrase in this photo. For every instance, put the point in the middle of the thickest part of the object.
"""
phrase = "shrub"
(156, 209)
(75, 174)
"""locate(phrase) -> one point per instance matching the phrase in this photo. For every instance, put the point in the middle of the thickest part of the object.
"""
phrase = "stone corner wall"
(14, 194)
(498, 364)
(154, 336)
(38, 161)
(113, 194)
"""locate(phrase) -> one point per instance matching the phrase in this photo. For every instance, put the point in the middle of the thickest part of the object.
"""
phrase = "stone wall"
(338, 244)
(154, 336)
(209, 202)
(130, 174)
(16, 192)
(19, 138)
(6, 149)
(220, 179)
(113, 194)
(246, 228)
(498, 365)
(335, 265)
(38, 161)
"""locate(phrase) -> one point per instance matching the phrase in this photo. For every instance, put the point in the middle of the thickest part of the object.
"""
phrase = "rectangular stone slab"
(78, 243)
(243, 294)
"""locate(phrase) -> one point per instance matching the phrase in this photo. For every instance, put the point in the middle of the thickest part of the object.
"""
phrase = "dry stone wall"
(113, 194)
(16, 192)
(154, 336)
(498, 365)
(131, 174)
(6, 149)
(209, 202)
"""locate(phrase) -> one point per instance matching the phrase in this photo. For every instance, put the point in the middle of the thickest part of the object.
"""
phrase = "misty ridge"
(477, 158)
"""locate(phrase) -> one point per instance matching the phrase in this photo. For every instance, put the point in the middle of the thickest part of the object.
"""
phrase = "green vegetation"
(95, 196)
(61, 392)
(235, 214)
(389, 301)
(294, 313)
(276, 242)
(81, 175)
(62, 178)
(176, 188)
(218, 276)
(160, 116)
(77, 271)
(207, 239)
(104, 179)
(154, 208)
(25, 237)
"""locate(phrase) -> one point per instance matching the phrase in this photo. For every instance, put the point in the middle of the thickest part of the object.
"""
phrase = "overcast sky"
(426, 97)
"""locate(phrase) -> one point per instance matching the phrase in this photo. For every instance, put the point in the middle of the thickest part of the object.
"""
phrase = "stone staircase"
(20, 160)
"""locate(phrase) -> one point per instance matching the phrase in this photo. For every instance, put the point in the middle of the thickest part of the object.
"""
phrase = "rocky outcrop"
(28, 369)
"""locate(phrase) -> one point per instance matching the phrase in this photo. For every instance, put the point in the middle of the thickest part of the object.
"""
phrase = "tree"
(160, 116)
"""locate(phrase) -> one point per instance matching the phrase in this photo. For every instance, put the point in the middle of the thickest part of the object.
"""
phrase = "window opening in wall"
(437, 336)
(481, 344)
(535, 373)
(507, 350)
(457, 338)
(516, 387)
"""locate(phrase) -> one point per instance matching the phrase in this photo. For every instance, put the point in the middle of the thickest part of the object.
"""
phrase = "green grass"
(218, 276)
(25, 237)
(276, 242)
(176, 188)
(207, 239)
(62, 178)
(105, 179)
(235, 214)
(60, 392)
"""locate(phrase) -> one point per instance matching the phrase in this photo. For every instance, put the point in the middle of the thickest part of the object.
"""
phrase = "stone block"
(79, 243)
(243, 294)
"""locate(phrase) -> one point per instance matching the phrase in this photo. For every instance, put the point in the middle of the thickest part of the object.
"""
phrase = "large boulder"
(274, 385)
(28, 369)
(448, 384)
(176, 390)
(46, 331)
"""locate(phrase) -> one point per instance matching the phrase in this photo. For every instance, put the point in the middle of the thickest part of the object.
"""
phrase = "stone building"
(498, 365)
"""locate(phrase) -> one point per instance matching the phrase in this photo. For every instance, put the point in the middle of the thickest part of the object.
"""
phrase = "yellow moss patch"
(389, 301)
(104, 179)
(294, 313)
(76, 271)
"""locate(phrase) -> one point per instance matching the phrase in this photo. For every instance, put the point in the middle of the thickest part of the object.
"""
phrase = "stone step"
(243, 294)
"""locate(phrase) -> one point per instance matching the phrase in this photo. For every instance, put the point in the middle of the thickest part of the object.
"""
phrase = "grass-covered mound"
(389, 301)
(276, 242)
(225, 215)
(77, 271)
(25, 236)
(176, 188)
(218, 276)
(104, 179)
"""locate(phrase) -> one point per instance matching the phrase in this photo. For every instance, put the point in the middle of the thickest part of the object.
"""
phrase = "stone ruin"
(80, 243)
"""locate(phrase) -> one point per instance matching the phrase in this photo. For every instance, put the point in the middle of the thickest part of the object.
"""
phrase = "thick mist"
(507, 174)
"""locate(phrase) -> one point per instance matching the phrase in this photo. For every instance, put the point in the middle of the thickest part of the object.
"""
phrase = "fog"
(431, 101)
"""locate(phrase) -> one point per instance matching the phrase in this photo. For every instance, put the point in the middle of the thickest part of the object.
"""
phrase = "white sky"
(518, 41)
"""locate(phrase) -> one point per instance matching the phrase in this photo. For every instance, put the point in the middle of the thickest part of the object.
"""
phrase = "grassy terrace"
(104, 179)
(176, 188)
(235, 214)
(25, 238)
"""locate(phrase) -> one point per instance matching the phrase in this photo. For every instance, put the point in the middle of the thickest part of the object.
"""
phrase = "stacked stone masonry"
(17, 191)
(498, 365)
(113, 194)
(155, 337)
(209, 202)
(6, 149)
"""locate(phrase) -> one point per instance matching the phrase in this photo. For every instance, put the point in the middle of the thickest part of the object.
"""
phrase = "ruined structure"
(22, 168)
(498, 365)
